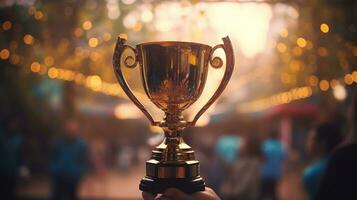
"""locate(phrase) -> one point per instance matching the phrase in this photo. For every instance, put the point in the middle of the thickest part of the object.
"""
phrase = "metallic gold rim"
(172, 43)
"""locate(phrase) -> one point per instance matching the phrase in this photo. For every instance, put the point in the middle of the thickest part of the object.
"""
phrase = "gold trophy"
(173, 75)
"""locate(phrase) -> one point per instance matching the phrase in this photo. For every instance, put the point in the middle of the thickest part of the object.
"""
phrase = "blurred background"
(68, 128)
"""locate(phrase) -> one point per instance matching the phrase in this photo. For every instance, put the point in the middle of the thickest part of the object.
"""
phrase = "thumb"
(176, 194)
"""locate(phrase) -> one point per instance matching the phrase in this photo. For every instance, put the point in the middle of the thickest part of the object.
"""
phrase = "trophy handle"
(216, 63)
(130, 62)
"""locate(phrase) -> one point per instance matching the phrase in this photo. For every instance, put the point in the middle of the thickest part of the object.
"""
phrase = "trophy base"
(172, 165)
(158, 185)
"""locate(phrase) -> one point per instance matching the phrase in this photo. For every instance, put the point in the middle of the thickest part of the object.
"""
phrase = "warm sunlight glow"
(247, 24)
(127, 111)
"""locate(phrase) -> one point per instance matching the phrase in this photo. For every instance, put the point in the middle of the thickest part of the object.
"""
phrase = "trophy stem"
(173, 123)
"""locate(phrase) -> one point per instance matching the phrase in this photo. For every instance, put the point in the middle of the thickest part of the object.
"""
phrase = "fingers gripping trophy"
(173, 75)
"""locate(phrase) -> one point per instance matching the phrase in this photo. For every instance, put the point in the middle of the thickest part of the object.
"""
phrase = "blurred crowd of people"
(253, 173)
(69, 159)
(258, 163)
(249, 167)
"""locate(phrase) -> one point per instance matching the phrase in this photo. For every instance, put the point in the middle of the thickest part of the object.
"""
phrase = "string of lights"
(96, 84)
(298, 93)
(92, 82)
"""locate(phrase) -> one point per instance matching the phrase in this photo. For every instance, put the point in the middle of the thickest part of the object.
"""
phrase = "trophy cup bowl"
(173, 75)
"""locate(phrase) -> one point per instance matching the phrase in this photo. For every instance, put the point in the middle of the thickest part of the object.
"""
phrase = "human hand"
(175, 194)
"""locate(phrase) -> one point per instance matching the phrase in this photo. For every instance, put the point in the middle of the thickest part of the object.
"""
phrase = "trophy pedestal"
(181, 171)
(161, 176)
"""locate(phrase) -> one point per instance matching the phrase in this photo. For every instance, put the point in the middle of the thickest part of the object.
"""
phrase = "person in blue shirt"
(68, 163)
(274, 157)
(321, 141)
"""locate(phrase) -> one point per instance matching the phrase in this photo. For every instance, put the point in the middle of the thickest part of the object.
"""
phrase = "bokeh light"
(348, 79)
(94, 82)
(87, 25)
(38, 15)
(113, 9)
(7, 25)
(339, 92)
(28, 39)
(324, 85)
(4, 54)
(93, 42)
(301, 42)
(354, 76)
(52, 73)
(35, 67)
(324, 28)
